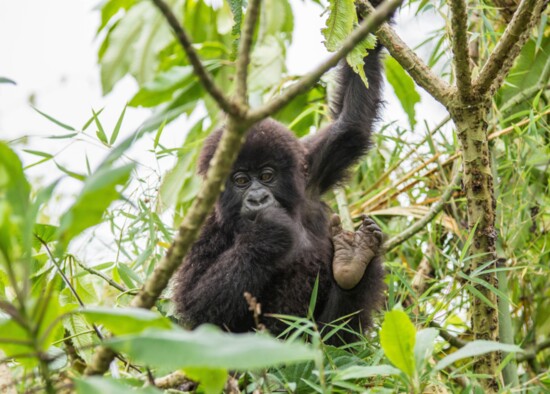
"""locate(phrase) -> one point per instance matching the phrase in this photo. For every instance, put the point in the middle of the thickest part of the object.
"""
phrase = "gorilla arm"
(354, 109)
(217, 294)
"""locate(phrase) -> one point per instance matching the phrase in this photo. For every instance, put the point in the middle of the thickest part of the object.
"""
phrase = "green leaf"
(122, 321)
(236, 7)
(70, 173)
(403, 86)
(52, 119)
(97, 194)
(356, 58)
(211, 380)
(114, 135)
(362, 372)
(102, 385)
(7, 80)
(340, 23)
(477, 348)
(424, 346)
(208, 347)
(12, 181)
(397, 338)
(100, 132)
(132, 45)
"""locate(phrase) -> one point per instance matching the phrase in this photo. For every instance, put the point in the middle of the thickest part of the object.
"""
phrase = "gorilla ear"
(208, 149)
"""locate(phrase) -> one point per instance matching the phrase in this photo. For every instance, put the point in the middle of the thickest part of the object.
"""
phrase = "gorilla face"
(255, 189)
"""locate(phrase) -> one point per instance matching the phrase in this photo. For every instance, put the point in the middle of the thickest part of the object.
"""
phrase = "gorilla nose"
(258, 199)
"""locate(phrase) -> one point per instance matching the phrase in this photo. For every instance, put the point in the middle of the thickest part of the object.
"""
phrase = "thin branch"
(243, 59)
(459, 41)
(533, 352)
(102, 276)
(204, 76)
(375, 19)
(508, 47)
(419, 225)
(410, 61)
(443, 333)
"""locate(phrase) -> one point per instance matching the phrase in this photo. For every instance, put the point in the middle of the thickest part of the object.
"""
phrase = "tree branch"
(243, 58)
(410, 61)
(369, 25)
(459, 42)
(508, 47)
(419, 225)
(532, 353)
(204, 76)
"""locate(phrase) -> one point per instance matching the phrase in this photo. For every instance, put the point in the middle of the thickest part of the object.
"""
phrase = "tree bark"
(471, 124)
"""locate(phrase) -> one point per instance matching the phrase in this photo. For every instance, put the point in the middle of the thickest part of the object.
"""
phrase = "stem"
(510, 371)
(459, 42)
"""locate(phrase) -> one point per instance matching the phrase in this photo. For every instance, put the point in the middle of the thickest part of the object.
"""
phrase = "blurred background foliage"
(58, 303)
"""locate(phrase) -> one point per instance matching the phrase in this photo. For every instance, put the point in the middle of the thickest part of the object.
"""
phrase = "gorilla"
(272, 236)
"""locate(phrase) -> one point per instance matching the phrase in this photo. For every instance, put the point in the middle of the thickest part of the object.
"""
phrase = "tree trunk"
(470, 120)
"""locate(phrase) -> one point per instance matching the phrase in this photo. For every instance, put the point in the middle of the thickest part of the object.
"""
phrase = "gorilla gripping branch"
(240, 119)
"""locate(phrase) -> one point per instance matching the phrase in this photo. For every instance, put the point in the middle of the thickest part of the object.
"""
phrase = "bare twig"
(508, 47)
(172, 380)
(459, 41)
(375, 19)
(243, 59)
(419, 225)
(205, 77)
(410, 61)
(95, 272)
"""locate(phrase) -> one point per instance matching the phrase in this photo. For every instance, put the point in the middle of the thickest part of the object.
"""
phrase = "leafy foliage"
(68, 269)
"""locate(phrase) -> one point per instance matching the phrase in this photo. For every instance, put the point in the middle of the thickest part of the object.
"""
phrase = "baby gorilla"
(271, 235)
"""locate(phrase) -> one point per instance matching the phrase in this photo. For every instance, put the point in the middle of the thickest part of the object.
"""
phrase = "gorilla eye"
(266, 176)
(240, 179)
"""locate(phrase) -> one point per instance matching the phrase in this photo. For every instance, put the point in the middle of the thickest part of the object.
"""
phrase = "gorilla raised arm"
(271, 235)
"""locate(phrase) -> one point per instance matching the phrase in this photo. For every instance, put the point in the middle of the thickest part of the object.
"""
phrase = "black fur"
(277, 255)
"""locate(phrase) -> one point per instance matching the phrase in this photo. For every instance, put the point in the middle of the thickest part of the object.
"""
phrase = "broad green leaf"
(362, 372)
(122, 321)
(397, 338)
(103, 385)
(342, 17)
(132, 45)
(267, 63)
(276, 20)
(424, 346)
(208, 347)
(403, 86)
(111, 7)
(13, 184)
(477, 348)
(356, 58)
(15, 340)
(46, 232)
(98, 192)
(211, 381)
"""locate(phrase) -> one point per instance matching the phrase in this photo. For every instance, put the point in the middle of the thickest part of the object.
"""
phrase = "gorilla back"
(270, 233)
